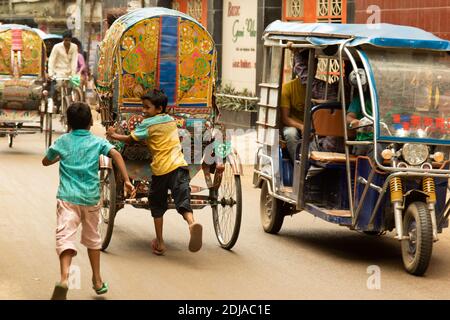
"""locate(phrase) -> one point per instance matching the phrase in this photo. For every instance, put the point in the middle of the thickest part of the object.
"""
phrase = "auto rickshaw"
(23, 105)
(401, 183)
(161, 48)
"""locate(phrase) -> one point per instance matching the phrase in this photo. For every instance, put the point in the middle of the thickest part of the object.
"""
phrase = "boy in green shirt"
(78, 195)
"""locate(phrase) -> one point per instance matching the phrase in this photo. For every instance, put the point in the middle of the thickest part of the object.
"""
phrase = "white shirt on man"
(62, 63)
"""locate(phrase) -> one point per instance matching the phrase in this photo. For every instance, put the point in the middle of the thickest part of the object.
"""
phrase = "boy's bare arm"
(111, 133)
(46, 162)
(120, 164)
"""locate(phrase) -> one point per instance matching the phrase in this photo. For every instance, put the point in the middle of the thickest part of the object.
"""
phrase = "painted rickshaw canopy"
(157, 48)
(381, 35)
(23, 39)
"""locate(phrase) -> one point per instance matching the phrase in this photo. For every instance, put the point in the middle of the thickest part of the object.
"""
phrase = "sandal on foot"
(60, 291)
(156, 250)
(102, 290)
(195, 243)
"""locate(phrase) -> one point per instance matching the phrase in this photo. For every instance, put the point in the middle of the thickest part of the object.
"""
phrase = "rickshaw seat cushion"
(20, 94)
(328, 122)
(330, 157)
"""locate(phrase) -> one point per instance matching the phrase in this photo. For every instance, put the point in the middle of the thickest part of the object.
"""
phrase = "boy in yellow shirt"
(169, 168)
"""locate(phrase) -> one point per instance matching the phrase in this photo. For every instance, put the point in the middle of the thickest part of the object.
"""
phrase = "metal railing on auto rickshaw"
(161, 48)
(401, 180)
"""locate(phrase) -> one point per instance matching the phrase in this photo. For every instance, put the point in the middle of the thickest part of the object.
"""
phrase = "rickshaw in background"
(403, 186)
(23, 103)
(50, 39)
(162, 48)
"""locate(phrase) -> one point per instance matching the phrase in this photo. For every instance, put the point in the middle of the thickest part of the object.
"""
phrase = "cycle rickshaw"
(23, 105)
(403, 186)
(161, 48)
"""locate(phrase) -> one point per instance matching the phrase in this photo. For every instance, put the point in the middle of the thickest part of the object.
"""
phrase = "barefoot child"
(79, 193)
(169, 168)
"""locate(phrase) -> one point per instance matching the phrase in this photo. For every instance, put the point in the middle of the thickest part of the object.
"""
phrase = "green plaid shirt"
(79, 151)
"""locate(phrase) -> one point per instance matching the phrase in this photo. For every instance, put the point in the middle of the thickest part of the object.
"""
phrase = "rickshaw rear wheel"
(10, 140)
(227, 210)
(48, 130)
(271, 212)
(107, 205)
(417, 249)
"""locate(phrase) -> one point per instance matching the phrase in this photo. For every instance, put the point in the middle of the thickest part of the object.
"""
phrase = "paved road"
(309, 259)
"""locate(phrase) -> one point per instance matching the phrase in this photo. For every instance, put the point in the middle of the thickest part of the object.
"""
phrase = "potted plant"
(237, 108)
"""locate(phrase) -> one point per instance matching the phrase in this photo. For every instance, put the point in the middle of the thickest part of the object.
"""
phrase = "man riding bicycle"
(63, 61)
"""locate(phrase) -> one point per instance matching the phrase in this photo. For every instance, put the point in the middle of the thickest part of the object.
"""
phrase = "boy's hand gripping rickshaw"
(23, 103)
(161, 48)
(401, 182)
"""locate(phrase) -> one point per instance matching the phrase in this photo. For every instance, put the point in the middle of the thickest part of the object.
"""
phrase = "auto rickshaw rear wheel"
(271, 212)
(107, 205)
(417, 249)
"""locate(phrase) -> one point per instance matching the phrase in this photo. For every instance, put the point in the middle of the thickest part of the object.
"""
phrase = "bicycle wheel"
(107, 205)
(227, 208)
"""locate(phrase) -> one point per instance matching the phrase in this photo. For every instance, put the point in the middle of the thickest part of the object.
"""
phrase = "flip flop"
(102, 290)
(60, 291)
(195, 243)
(155, 248)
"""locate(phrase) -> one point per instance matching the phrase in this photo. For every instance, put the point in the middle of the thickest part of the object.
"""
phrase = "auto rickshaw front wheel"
(271, 212)
(417, 249)
(107, 205)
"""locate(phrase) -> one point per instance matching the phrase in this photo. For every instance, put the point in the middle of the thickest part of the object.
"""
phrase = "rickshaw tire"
(112, 212)
(417, 266)
(10, 138)
(78, 94)
(237, 223)
(48, 130)
(275, 222)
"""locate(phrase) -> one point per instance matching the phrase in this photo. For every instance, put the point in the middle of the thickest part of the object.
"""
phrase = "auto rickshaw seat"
(327, 120)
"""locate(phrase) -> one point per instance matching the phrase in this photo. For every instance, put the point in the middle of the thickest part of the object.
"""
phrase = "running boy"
(79, 193)
(169, 168)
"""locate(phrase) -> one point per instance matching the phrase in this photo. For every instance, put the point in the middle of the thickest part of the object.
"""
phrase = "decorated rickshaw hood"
(381, 35)
(108, 47)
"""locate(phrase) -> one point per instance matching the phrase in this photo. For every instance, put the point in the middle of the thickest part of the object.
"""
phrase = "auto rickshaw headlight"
(415, 154)
(387, 154)
(438, 157)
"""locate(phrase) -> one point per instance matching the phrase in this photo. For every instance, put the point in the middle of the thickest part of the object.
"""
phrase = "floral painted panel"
(139, 55)
(31, 63)
(106, 67)
(196, 65)
(5, 52)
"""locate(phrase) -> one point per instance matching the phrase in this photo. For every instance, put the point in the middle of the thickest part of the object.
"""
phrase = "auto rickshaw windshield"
(413, 93)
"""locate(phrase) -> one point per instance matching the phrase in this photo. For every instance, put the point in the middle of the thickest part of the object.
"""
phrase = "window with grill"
(295, 9)
(176, 5)
(330, 11)
(195, 10)
(311, 11)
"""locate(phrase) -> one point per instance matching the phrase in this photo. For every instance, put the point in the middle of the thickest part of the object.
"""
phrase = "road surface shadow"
(352, 246)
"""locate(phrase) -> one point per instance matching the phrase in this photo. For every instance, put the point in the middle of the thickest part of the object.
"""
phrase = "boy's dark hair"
(158, 98)
(79, 116)
(67, 34)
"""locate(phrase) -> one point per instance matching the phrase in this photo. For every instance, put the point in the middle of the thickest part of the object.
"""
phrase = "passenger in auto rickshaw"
(293, 96)
(357, 120)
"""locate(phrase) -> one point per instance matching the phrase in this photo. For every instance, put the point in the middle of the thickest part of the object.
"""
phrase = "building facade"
(430, 15)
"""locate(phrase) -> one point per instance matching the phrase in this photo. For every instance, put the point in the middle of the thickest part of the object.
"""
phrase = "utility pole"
(10, 10)
(80, 20)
